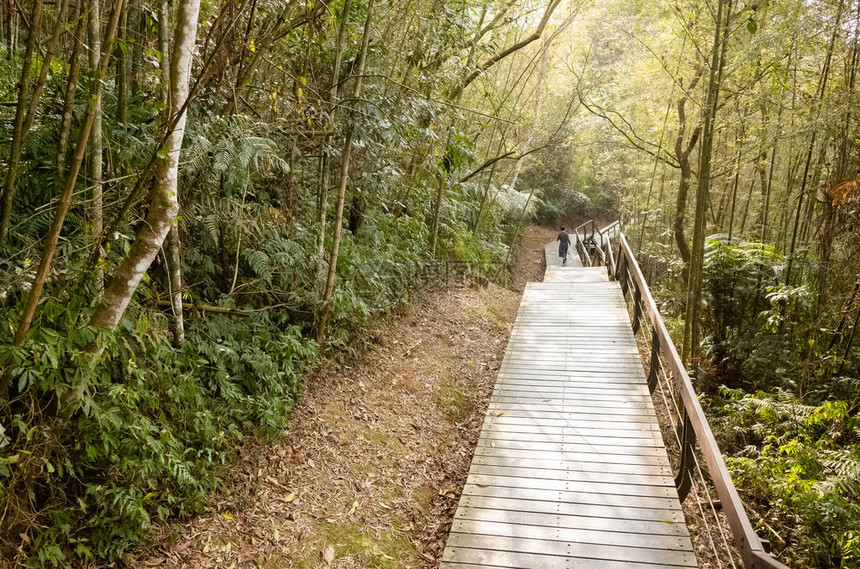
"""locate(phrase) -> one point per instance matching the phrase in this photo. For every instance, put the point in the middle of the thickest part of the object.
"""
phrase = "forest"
(201, 201)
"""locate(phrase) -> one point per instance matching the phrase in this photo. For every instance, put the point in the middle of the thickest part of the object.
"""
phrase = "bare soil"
(371, 469)
(529, 261)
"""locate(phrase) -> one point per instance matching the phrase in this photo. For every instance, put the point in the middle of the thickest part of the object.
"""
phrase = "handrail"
(585, 243)
(696, 425)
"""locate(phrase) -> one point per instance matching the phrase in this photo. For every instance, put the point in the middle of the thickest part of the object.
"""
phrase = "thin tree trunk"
(33, 103)
(173, 253)
(822, 85)
(746, 208)
(18, 128)
(766, 212)
(444, 180)
(694, 286)
(65, 199)
(683, 153)
(322, 190)
(538, 107)
(736, 181)
(164, 48)
(344, 179)
(94, 209)
(486, 191)
(122, 70)
(173, 243)
(69, 97)
(830, 230)
(165, 204)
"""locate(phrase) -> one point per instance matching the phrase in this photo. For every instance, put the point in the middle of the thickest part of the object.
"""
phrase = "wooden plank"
(603, 448)
(645, 435)
(552, 520)
(583, 414)
(589, 551)
(592, 487)
(493, 424)
(573, 509)
(629, 481)
(594, 387)
(572, 497)
(555, 464)
(570, 456)
(642, 407)
(574, 382)
(573, 407)
(581, 422)
(482, 559)
(615, 398)
(489, 435)
(573, 535)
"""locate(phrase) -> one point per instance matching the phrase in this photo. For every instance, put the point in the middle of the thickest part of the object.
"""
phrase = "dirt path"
(370, 471)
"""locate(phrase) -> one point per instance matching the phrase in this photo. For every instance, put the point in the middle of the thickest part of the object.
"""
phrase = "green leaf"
(752, 26)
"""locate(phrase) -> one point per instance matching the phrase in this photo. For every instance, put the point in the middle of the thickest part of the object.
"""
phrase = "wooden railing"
(590, 243)
(692, 431)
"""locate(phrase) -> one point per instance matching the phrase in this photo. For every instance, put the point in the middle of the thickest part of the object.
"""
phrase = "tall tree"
(709, 115)
(346, 155)
(164, 204)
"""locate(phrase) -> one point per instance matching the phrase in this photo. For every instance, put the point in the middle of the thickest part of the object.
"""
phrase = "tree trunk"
(18, 135)
(173, 243)
(94, 209)
(165, 204)
(22, 130)
(69, 96)
(322, 190)
(65, 199)
(822, 85)
(344, 179)
(694, 281)
(122, 69)
(173, 252)
(683, 153)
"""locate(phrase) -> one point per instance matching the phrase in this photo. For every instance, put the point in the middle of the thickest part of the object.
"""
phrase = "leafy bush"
(739, 278)
(154, 423)
(800, 466)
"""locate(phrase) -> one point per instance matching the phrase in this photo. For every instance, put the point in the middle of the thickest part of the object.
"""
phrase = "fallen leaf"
(290, 497)
(500, 413)
(479, 485)
(228, 516)
(277, 535)
(329, 554)
(384, 505)
(353, 508)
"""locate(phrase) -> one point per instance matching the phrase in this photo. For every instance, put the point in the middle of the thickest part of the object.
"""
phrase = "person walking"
(563, 244)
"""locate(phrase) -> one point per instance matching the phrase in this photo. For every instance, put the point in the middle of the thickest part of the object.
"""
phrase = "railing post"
(684, 479)
(622, 274)
(655, 361)
(637, 308)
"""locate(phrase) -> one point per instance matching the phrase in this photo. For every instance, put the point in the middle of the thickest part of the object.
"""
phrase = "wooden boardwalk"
(570, 469)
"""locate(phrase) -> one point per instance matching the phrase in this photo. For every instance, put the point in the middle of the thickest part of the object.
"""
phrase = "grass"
(390, 549)
(456, 404)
